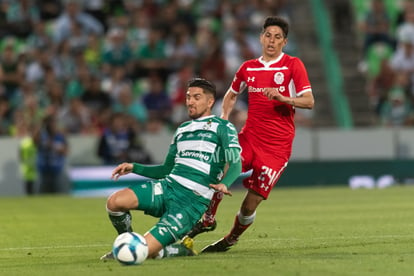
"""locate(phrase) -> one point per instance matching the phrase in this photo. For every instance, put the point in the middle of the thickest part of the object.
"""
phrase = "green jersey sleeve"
(157, 171)
(230, 143)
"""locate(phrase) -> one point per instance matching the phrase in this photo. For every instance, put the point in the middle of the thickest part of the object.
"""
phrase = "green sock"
(177, 250)
(122, 223)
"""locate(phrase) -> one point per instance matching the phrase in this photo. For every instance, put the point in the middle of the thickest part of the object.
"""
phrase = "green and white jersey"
(201, 148)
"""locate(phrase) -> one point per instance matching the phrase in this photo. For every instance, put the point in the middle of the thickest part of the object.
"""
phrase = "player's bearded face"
(198, 103)
(273, 41)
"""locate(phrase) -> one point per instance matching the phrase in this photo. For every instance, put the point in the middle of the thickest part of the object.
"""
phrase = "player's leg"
(118, 206)
(208, 221)
(182, 212)
(140, 196)
(244, 218)
(156, 250)
(259, 185)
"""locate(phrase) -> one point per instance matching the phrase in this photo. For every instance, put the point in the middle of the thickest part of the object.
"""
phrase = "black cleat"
(200, 228)
(221, 245)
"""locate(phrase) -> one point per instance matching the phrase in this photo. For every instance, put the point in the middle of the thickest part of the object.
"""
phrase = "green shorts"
(178, 208)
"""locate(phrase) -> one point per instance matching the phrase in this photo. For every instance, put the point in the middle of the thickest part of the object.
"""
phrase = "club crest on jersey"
(207, 125)
(279, 77)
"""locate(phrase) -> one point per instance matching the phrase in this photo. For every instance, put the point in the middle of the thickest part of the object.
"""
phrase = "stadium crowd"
(387, 35)
(88, 63)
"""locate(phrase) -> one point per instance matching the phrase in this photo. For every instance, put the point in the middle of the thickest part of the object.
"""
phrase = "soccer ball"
(130, 248)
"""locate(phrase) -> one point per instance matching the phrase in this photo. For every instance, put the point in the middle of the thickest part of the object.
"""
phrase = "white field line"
(248, 240)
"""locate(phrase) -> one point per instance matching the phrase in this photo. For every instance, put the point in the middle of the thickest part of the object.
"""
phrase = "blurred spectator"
(55, 94)
(52, 149)
(113, 83)
(95, 99)
(376, 26)
(98, 9)
(152, 55)
(119, 143)
(127, 104)
(177, 88)
(6, 116)
(11, 69)
(78, 39)
(114, 141)
(379, 86)
(407, 6)
(73, 13)
(39, 38)
(21, 16)
(27, 158)
(180, 48)
(32, 112)
(63, 62)
(92, 53)
(405, 29)
(123, 44)
(3, 21)
(237, 48)
(75, 118)
(156, 100)
(116, 51)
(212, 65)
(39, 66)
(402, 60)
(138, 30)
(396, 110)
(49, 9)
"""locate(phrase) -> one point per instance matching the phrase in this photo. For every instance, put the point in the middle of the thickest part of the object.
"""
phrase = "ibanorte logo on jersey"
(256, 89)
(279, 77)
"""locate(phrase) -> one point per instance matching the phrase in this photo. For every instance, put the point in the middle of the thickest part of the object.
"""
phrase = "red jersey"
(270, 121)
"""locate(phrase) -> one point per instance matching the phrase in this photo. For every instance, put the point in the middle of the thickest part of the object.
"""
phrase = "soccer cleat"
(183, 248)
(108, 256)
(221, 245)
(188, 242)
(200, 227)
(189, 245)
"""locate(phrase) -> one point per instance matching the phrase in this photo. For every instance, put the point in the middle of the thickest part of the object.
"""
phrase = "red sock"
(236, 231)
(210, 214)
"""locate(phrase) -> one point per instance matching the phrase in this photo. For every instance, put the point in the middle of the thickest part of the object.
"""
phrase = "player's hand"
(273, 94)
(122, 169)
(221, 188)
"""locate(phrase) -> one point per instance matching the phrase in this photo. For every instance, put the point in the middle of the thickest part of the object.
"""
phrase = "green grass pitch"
(298, 231)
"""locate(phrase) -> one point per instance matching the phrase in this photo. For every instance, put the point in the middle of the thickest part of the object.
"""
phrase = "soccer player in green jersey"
(184, 184)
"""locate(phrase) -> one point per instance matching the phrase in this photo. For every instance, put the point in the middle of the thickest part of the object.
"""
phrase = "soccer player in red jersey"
(277, 84)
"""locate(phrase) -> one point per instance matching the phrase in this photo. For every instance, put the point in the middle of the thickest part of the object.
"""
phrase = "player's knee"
(112, 203)
(122, 201)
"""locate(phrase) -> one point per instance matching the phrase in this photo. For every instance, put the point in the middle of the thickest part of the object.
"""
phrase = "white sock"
(115, 214)
(245, 220)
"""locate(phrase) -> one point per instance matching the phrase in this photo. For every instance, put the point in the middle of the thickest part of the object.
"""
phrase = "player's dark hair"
(277, 21)
(207, 86)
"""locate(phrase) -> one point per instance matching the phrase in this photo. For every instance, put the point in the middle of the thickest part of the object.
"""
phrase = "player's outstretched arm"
(233, 172)
(121, 169)
(229, 100)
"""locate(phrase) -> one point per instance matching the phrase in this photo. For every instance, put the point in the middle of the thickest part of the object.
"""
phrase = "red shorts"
(267, 164)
